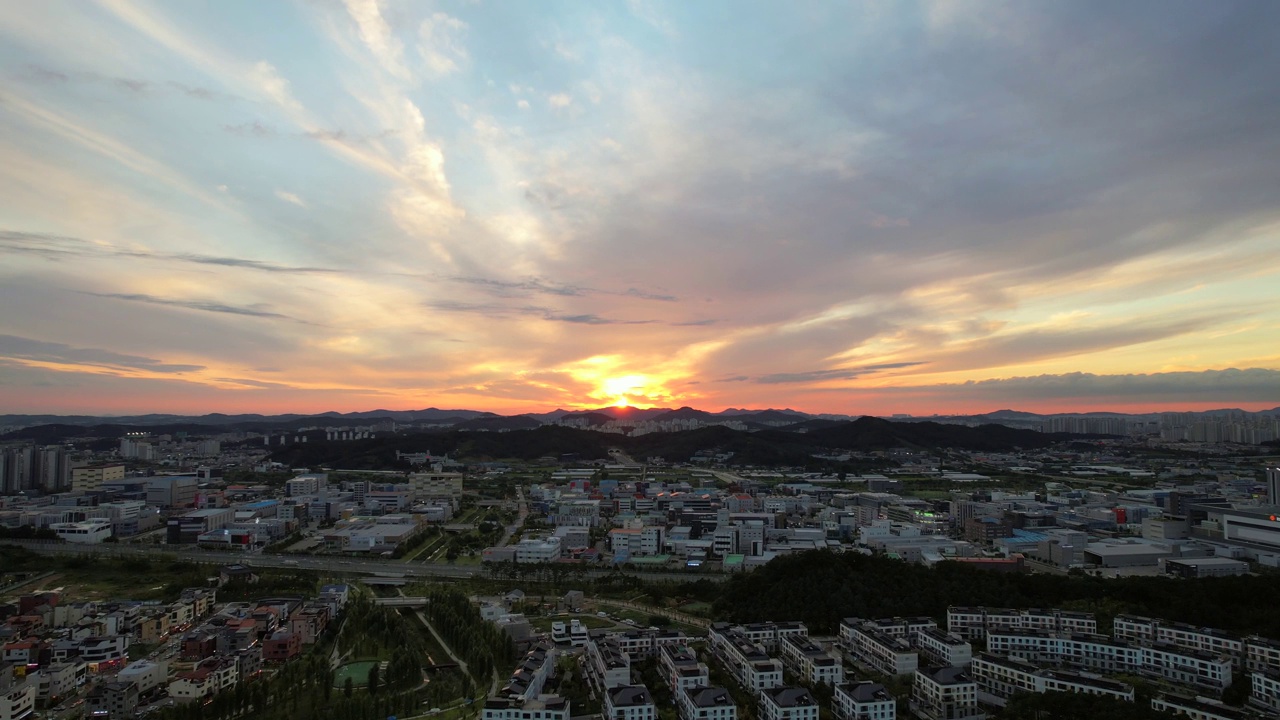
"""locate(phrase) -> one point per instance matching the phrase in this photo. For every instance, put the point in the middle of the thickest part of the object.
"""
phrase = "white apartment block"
(864, 701)
(788, 703)
(944, 648)
(1103, 654)
(1197, 708)
(945, 694)
(545, 550)
(629, 702)
(1265, 690)
(704, 703)
(1134, 628)
(1261, 654)
(973, 623)
(636, 542)
(680, 667)
(531, 675)
(17, 694)
(999, 678)
(886, 654)
(749, 662)
(609, 667)
(542, 707)
(809, 661)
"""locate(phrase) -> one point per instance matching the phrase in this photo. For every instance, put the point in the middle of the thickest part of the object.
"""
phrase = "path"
(675, 615)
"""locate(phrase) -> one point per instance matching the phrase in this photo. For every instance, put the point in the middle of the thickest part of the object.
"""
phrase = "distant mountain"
(223, 419)
(772, 416)
(592, 419)
(498, 422)
(632, 414)
(684, 413)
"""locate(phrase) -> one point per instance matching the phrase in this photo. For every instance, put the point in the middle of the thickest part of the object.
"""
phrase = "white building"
(972, 623)
(88, 532)
(864, 701)
(945, 694)
(629, 702)
(944, 648)
(681, 669)
(706, 703)
(808, 660)
(542, 707)
(17, 694)
(788, 703)
(145, 674)
(608, 666)
(999, 678)
(1265, 690)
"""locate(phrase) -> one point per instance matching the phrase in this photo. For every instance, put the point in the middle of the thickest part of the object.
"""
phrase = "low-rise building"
(681, 669)
(113, 701)
(944, 648)
(998, 678)
(945, 694)
(788, 703)
(864, 701)
(540, 707)
(706, 703)
(629, 702)
(146, 675)
(810, 662)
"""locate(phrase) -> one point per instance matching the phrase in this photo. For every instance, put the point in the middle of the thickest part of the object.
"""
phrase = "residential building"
(998, 678)
(607, 665)
(706, 703)
(17, 694)
(864, 701)
(629, 702)
(788, 703)
(541, 707)
(145, 675)
(944, 648)
(1265, 688)
(681, 669)
(810, 662)
(945, 694)
(113, 701)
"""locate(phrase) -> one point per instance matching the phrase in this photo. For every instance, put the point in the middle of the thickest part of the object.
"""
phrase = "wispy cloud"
(812, 376)
(28, 349)
(212, 306)
(291, 198)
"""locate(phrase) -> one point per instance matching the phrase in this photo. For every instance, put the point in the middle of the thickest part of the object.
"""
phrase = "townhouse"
(788, 703)
(1135, 628)
(680, 667)
(998, 678)
(810, 661)
(705, 703)
(748, 662)
(1265, 690)
(530, 677)
(886, 654)
(945, 694)
(973, 623)
(607, 665)
(629, 702)
(1102, 654)
(864, 701)
(541, 707)
(944, 648)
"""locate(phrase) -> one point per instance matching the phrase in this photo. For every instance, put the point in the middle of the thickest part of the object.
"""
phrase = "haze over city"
(885, 208)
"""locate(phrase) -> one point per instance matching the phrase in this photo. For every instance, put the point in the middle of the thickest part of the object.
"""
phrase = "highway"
(343, 565)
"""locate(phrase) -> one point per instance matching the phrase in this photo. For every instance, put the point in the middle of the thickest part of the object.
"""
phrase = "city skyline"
(933, 207)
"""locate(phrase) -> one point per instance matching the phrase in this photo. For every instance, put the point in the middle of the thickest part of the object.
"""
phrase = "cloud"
(291, 198)
(269, 81)
(812, 376)
(560, 100)
(503, 311)
(377, 36)
(27, 349)
(212, 306)
(55, 247)
(254, 129)
(440, 44)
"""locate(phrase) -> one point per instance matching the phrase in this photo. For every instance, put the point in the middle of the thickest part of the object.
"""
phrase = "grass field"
(357, 671)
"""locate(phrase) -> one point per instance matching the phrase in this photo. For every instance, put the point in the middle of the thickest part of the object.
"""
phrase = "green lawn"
(357, 671)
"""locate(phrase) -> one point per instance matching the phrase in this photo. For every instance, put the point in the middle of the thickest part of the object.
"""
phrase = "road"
(520, 518)
(354, 566)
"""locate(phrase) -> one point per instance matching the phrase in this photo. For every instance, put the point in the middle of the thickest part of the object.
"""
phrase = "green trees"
(822, 587)
(479, 644)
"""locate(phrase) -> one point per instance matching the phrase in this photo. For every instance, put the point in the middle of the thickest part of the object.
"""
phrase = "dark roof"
(791, 697)
(630, 695)
(709, 696)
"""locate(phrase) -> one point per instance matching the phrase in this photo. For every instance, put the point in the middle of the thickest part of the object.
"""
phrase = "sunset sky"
(872, 207)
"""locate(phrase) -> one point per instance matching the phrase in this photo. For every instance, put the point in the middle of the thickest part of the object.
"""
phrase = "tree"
(372, 682)
(348, 687)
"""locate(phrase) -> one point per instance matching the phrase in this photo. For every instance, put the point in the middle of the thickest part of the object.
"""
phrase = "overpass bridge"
(399, 602)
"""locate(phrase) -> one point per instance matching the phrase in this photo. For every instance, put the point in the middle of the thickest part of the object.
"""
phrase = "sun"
(624, 387)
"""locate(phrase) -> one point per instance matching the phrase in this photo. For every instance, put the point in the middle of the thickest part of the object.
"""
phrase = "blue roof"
(1029, 536)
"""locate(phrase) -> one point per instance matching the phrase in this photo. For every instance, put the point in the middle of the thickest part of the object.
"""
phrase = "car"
(602, 614)
(629, 621)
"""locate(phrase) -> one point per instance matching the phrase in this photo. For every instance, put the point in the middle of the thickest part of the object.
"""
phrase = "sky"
(863, 208)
